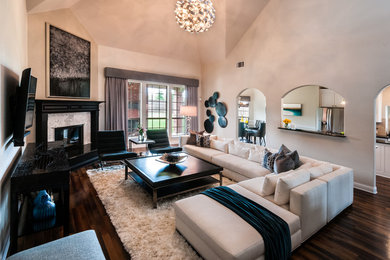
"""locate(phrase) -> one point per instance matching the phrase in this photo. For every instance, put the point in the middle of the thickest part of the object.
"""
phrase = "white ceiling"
(149, 26)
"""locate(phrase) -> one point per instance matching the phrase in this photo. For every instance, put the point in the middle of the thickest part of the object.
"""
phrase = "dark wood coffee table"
(164, 180)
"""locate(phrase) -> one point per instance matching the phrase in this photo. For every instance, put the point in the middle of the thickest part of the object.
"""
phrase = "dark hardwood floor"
(86, 212)
(362, 231)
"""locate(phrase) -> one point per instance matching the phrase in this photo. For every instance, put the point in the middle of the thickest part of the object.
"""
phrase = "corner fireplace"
(70, 135)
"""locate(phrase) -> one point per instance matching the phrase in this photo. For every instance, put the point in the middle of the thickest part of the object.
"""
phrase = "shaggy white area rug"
(146, 233)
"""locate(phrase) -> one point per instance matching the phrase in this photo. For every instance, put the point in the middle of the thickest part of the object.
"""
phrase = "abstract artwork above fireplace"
(68, 64)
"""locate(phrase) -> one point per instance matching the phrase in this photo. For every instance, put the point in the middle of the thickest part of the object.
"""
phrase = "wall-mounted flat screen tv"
(24, 107)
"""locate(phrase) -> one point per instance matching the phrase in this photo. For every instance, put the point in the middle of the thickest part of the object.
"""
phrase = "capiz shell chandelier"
(195, 15)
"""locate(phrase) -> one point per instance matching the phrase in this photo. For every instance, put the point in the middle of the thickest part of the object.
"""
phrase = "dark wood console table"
(30, 176)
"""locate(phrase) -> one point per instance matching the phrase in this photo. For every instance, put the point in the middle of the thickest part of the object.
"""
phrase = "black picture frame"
(68, 64)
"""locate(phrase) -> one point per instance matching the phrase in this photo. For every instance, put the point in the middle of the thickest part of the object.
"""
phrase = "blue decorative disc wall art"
(208, 126)
(221, 110)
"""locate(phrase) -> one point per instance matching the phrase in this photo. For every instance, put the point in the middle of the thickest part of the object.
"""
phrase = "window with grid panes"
(178, 99)
(156, 106)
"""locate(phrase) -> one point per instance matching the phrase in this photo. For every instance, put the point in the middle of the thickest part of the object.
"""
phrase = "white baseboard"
(363, 187)
(384, 175)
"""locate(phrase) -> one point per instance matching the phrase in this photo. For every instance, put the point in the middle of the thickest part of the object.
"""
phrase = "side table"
(134, 140)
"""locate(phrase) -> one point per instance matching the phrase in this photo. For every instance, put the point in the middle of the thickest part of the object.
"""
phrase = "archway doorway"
(251, 116)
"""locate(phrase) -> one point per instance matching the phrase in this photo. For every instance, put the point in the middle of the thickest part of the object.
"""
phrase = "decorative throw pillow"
(294, 155)
(219, 145)
(284, 162)
(286, 183)
(318, 171)
(270, 181)
(238, 150)
(192, 139)
(305, 166)
(284, 148)
(206, 141)
(256, 155)
(269, 159)
(199, 140)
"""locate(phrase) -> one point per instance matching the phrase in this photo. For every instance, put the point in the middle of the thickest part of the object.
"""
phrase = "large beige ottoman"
(218, 233)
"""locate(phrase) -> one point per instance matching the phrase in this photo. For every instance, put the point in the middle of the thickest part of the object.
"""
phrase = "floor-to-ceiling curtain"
(192, 100)
(116, 104)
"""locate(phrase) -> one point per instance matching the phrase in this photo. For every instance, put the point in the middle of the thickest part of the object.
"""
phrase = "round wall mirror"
(251, 116)
(313, 108)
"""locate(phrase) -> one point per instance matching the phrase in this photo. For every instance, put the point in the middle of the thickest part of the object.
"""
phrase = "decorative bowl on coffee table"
(172, 159)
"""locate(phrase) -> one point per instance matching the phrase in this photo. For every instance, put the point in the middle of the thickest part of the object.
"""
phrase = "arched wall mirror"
(251, 116)
(313, 108)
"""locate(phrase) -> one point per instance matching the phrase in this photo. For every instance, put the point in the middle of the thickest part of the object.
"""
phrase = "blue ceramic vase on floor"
(43, 206)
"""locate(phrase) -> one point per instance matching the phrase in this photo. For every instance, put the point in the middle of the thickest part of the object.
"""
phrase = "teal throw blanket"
(273, 229)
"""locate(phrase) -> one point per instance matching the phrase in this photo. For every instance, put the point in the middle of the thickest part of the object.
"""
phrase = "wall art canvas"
(292, 109)
(68, 64)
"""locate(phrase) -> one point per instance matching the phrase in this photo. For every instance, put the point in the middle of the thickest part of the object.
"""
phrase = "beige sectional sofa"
(324, 190)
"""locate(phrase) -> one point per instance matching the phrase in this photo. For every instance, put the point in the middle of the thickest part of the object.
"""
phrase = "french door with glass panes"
(156, 106)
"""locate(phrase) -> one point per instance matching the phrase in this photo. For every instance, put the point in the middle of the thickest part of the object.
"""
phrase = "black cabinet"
(38, 171)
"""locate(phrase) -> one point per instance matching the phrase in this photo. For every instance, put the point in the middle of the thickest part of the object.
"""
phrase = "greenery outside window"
(156, 106)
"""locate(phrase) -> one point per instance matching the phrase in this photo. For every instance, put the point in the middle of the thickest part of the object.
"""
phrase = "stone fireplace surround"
(58, 113)
(69, 119)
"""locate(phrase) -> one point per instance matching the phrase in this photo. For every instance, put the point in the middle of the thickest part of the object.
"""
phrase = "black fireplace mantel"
(45, 107)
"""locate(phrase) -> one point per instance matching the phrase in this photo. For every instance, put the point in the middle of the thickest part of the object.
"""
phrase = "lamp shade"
(188, 111)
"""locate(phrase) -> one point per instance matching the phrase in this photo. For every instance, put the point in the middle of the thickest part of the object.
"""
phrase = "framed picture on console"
(68, 64)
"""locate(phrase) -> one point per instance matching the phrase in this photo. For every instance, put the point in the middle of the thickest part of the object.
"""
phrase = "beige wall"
(122, 59)
(101, 57)
(63, 19)
(341, 45)
(13, 59)
(309, 97)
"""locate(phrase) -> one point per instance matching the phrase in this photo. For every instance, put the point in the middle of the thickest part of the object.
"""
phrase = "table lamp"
(188, 112)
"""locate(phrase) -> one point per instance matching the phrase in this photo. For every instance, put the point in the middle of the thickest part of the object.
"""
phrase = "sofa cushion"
(284, 162)
(203, 140)
(256, 154)
(242, 166)
(247, 145)
(269, 183)
(227, 234)
(287, 183)
(192, 138)
(238, 149)
(201, 152)
(316, 172)
(220, 145)
(269, 159)
(253, 185)
(294, 155)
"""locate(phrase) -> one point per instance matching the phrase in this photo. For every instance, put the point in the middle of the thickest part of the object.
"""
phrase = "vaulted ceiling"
(149, 26)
